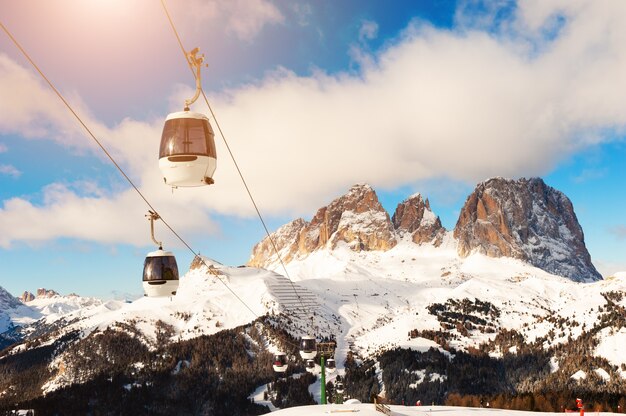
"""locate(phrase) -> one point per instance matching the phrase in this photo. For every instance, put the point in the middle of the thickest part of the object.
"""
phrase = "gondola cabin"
(310, 366)
(331, 366)
(308, 348)
(160, 274)
(280, 362)
(187, 155)
(339, 387)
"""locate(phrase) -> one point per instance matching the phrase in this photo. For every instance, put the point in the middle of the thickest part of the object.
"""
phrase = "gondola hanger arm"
(195, 63)
(152, 216)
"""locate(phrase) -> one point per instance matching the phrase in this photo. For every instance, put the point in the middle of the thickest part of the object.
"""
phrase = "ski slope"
(369, 410)
(367, 301)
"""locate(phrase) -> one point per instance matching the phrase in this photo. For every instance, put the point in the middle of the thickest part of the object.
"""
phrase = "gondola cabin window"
(187, 136)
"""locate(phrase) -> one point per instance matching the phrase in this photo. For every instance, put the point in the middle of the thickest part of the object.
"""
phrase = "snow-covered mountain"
(523, 219)
(13, 312)
(371, 301)
(44, 308)
(356, 219)
(373, 284)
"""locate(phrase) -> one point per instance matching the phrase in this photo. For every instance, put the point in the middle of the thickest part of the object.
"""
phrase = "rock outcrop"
(27, 297)
(413, 216)
(356, 219)
(45, 293)
(527, 220)
(523, 219)
(287, 241)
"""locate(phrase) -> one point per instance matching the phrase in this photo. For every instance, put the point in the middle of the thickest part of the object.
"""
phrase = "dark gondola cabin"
(308, 348)
(280, 362)
(187, 155)
(331, 366)
(160, 274)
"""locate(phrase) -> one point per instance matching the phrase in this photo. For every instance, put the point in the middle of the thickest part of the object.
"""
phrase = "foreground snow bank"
(368, 410)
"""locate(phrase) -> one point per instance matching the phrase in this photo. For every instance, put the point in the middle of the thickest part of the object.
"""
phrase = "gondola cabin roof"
(186, 114)
(160, 253)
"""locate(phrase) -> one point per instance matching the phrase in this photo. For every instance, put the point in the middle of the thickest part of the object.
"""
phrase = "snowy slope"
(43, 309)
(54, 307)
(369, 301)
(368, 410)
(380, 296)
(13, 312)
(203, 305)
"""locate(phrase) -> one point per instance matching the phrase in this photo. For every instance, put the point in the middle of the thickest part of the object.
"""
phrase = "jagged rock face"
(527, 220)
(286, 239)
(356, 219)
(414, 216)
(45, 293)
(27, 297)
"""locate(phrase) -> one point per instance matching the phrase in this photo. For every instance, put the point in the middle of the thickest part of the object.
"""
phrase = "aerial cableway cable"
(119, 168)
(142, 196)
(280, 359)
(232, 156)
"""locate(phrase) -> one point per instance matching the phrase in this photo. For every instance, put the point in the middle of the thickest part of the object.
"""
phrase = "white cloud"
(251, 15)
(9, 170)
(303, 13)
(619, 231)
(244, 18)
(462, 105)
(34, 110)
(109, 219)
(368, 30)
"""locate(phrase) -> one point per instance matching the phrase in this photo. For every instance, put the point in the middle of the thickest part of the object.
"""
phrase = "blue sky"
(429, 97)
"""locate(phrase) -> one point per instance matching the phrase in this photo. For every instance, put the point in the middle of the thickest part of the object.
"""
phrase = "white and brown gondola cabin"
(187, 155)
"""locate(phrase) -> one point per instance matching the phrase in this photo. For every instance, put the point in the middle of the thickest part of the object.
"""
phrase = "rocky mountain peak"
(528, 220)
(356, 219)
(45, 293)
(27, 297)
(286, 238)
(413, 216)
